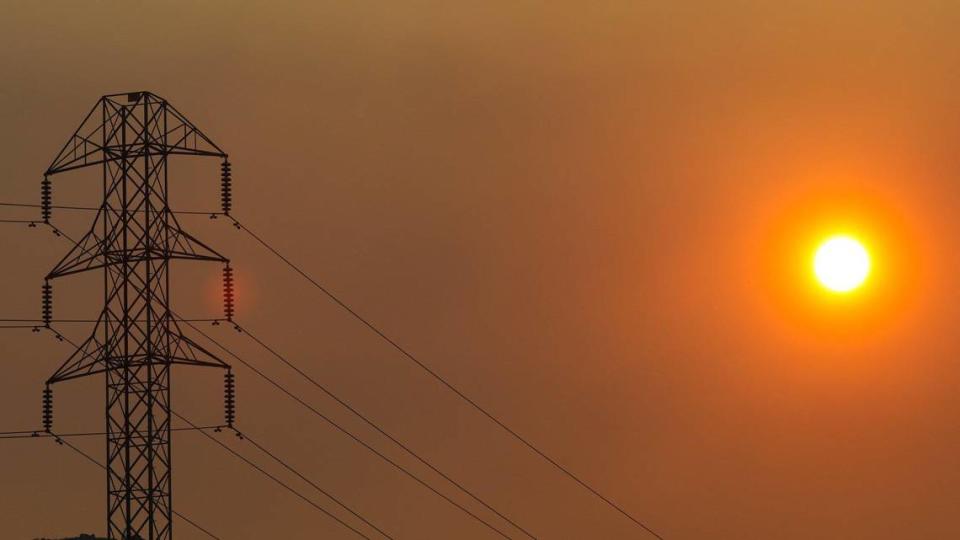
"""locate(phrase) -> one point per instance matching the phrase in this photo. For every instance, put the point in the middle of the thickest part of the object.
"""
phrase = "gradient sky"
(594, 218)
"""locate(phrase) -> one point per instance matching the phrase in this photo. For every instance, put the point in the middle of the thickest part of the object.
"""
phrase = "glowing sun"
(841, 264)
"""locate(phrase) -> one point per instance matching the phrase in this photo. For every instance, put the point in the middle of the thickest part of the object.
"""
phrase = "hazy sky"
(593, 217)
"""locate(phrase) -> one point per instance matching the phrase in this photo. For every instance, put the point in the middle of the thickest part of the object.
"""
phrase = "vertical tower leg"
(138, 363)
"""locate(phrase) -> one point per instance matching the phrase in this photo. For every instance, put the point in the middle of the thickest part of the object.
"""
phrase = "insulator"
(229, 399)
(47, 409)
(226, 195)
(228, 292)
(47, 303)
(46, 200)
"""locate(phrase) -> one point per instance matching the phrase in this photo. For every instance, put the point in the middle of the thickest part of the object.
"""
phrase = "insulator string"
(47, 409)
(229, 399)
(47, 303)
(46, 199)
(226, 195)
(228, 307)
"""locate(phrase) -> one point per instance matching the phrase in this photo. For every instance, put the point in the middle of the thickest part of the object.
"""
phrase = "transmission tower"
(136, 339)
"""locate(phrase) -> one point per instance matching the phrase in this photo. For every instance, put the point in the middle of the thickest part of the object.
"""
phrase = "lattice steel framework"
(137, 338)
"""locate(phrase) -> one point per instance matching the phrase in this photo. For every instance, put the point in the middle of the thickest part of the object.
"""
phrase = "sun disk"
(841, 264)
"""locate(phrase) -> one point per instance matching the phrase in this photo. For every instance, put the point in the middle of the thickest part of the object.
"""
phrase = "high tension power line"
(444, 382)
(287, 487)
(367, 420)
(44, 434)
(355, 438)
(213, 214)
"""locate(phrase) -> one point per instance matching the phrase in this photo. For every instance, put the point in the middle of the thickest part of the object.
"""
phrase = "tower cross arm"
(131, 125)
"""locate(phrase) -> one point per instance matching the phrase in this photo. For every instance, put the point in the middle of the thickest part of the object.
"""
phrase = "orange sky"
(595, 220)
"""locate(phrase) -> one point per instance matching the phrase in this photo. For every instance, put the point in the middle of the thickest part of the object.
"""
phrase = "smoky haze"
(574, 212)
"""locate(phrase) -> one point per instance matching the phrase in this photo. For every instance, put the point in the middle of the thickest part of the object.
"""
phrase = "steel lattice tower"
(137, 338)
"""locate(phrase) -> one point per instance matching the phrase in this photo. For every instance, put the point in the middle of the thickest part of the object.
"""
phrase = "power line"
(40, 433)
(58, 207)
(349, 434)
(245, 436)
(96, 208)
(89, 458)
(22, 221)
(77, 321)
(275, 479)
(52, 320)
(379, 429)
(444, 381)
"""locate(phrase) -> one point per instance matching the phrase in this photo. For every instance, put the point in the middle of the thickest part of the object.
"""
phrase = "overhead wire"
(78, 321)
(347, 432)
(96, 208)
(21, 221)
(245, 436)
(356, 315)
(40, 433)
(379, 429)
(276, 480)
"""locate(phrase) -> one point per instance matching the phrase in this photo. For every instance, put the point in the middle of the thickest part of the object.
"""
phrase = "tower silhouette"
(136, 339)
